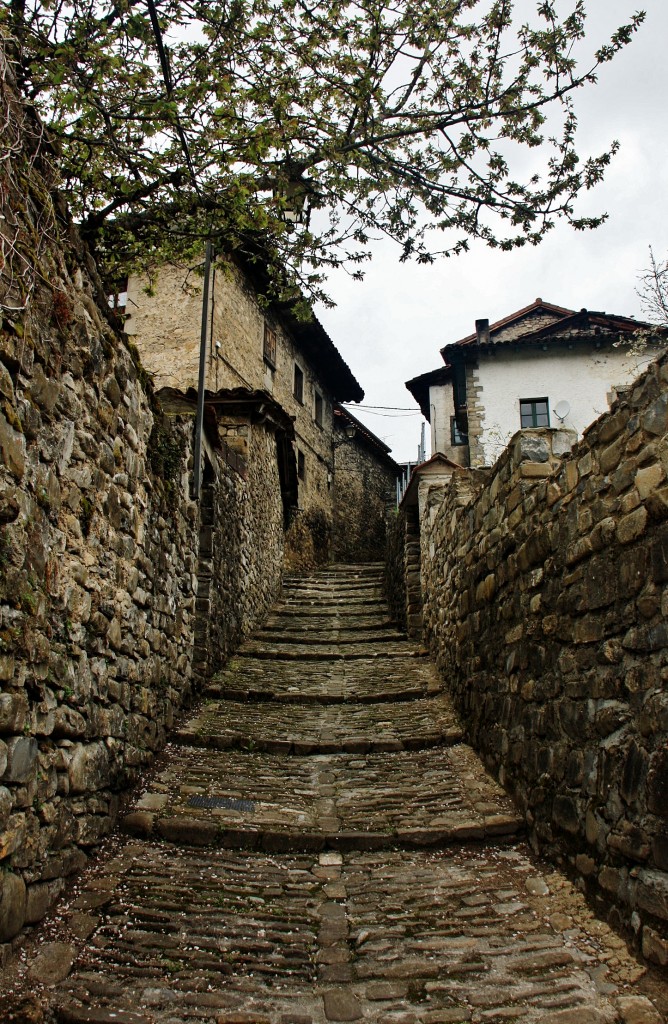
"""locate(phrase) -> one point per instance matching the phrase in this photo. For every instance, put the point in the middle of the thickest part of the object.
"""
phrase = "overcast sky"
(391, 326)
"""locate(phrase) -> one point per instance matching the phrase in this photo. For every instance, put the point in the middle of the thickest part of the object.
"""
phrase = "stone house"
(365, 477)
(265, 366)
(541, 366)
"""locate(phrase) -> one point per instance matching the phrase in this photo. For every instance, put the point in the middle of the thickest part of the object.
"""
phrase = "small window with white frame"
(534, 412)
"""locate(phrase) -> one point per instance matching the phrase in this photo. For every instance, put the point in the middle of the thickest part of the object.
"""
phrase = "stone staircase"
(318, 844)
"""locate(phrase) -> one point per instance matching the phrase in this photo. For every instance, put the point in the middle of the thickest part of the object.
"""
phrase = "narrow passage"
(317, 844)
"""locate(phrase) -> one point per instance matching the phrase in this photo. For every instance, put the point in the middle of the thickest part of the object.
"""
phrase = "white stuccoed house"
(542, 366)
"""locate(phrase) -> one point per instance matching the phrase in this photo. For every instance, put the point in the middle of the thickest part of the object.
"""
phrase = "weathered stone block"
(22, 754)
(536, 471)
(655, 419)
(565, 814)
(610, 457)
(657, 784)
(632, 526)
(633, 773)
(44, 391)
(13, 835)
(5, 806)
(13, 448)
(68, 723)
(638, 1010)
(654, 947)
(12, 905)
(614, 881)
(647, 638)
(648, 479)
(563, 441)
(53, 963)
(652, 892)
(40, 898)
(631, 841)
(660, 851)
(531, 448)
(88, 767)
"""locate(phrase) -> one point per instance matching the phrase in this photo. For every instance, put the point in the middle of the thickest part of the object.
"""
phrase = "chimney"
(482, 331)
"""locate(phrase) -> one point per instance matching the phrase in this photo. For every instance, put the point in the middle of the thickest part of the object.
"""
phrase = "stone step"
(334, 635)
(338, 588)
(273, 651)
(337, 801)
(325, 623)
(307, 729)
(361, 680)
(310, 615)
(341, 586)
(304, 606)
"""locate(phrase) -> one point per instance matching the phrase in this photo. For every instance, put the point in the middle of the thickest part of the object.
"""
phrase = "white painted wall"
(441, 407)
(583, 376)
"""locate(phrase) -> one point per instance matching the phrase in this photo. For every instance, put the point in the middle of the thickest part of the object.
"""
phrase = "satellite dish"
(562, 410)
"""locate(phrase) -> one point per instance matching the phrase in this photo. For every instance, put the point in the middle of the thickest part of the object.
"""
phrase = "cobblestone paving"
(318, 845)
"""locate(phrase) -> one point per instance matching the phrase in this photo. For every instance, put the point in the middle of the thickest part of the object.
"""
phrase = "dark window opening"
(458, 436)
(269, 347)
(534, 412)
(318, 411)
(298, 388)
(301, 465)
(459, 385)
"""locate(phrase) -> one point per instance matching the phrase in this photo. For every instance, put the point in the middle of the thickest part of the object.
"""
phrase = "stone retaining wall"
(248, 546)
(545, 602)
(99, 544)
(395, 568)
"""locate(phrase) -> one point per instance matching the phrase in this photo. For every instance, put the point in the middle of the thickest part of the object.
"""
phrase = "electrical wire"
(396, 408)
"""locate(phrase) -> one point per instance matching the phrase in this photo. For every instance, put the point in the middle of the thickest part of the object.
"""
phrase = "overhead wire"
(394, 412)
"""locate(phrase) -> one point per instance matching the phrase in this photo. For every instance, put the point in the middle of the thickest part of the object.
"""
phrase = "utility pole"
(199, 419)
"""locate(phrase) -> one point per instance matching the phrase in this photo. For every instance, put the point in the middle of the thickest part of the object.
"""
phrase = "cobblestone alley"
(318, 844)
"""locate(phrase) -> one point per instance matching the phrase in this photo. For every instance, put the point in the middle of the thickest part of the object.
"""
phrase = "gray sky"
(391, 326)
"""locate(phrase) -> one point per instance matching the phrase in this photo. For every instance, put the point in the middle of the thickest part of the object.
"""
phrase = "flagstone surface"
(318, 844)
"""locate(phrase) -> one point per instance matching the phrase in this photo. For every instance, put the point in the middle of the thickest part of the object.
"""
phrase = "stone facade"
(255, 348)
(247, 541)
(394, 582)
(101, 560)
(364, 494)
(545, 596)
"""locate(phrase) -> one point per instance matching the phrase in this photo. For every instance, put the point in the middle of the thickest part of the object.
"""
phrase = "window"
(298, 388)
(459, 385)
(534, 412)
(269, 347)
(318, 409)
(457, 435)
(301, 465)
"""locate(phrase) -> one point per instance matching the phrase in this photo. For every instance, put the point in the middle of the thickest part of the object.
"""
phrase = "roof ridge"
(505, 321)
